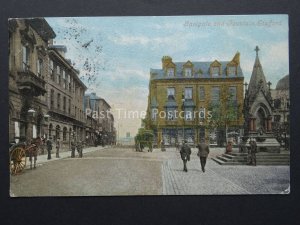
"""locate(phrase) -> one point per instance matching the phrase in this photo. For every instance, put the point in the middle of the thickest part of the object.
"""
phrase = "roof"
(41, 26)
(94, 98)
(283, 83)
(202, 71)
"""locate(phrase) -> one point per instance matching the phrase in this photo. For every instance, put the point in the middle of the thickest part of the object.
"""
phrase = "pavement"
(123, 171)
(42, 158)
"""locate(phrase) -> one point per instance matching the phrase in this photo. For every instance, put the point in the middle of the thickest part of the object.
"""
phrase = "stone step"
(262, 158)
(218, 161)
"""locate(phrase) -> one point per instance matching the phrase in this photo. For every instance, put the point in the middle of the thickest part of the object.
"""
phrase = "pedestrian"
(163, 148)
(185, 153)
(253, 150)
(57, 147)
(73, 147)
(177, 145)
(49, 147)
(42, 145)
(79, 149)
(228, 147)
(203, 151)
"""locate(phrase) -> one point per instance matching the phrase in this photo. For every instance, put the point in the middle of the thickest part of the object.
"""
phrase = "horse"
(32, 150)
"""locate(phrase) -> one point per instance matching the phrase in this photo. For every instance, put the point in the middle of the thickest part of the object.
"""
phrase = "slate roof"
(157, 74)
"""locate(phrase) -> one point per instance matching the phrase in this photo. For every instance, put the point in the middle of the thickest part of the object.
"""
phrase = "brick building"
(181, 94)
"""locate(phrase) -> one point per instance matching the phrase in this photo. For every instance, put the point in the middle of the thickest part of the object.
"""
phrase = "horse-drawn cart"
(143, 139)
(18, 154)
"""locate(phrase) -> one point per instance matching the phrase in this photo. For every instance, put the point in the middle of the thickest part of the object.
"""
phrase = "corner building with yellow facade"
(180, 99)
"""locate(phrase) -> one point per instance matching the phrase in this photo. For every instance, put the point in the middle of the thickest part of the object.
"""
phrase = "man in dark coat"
(73, 147)
(49, 147)
(253, 150)
(80, 149)
(185, 153)
(203, 151)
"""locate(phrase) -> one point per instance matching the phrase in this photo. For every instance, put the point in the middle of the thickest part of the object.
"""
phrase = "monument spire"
(257, 80)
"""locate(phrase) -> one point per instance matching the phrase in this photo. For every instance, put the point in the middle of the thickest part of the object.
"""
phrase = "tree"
(225, 110)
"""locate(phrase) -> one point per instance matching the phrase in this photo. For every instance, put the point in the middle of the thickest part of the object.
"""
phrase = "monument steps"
(262, 158)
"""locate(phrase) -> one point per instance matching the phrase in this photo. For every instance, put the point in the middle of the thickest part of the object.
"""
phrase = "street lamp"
(183, 100)
(31, 112)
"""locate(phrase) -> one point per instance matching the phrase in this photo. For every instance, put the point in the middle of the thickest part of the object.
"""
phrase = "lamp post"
(183, 100)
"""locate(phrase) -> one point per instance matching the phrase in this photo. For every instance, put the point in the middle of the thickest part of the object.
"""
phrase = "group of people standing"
(203, 151)
(74, 145)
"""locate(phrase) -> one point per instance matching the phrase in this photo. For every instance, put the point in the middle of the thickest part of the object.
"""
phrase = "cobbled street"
(122, 171)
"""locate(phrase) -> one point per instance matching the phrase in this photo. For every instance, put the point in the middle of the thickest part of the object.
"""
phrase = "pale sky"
(130, 46)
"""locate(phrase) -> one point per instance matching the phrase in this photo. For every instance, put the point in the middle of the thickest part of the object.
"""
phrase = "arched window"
(57, 132)
(65, 134)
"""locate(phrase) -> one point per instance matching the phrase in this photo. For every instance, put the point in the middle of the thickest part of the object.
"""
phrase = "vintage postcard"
(161, 105)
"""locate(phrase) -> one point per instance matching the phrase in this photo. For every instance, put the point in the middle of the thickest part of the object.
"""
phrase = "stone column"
(270, 123)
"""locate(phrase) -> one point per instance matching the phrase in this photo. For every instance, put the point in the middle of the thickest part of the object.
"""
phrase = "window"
(188, 93)
(170, 72)
(232, 93)
(231, 71)
(51, 70)
(69, 106)
(64, 103)
(188, 114)
(154, 113)
(64, 134)
(277, 118)
(215, 71)
(64, 79)
(25, 58)
(58, 74)
(188, 72)
(171, 93)
(170, 114)
(58, 101)
(70, 83)
(215, 94)
(39, 66)
(52, 98)
(201, 94)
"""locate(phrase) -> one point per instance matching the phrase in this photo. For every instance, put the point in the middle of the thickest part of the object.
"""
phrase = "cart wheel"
(17, 160)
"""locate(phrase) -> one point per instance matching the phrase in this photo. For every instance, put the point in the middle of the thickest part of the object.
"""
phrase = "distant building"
(105, 120)
(182, 93)
(281, 100)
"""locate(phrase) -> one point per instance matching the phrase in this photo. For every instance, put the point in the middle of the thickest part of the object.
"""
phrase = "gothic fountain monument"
(258, 111)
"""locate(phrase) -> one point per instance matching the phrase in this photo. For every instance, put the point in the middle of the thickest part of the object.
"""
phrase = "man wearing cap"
(185, 153)
(203, 151)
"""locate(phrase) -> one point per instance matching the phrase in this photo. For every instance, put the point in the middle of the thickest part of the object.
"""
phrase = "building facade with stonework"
(281, 112)
(65, 93)
(28, 71)
(100, 108)
(183, 98)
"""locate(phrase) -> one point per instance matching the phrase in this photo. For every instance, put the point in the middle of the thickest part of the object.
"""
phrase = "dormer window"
(170, 72)
(188, 72)
(171, 93)
(215, 71)
(231, 70)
